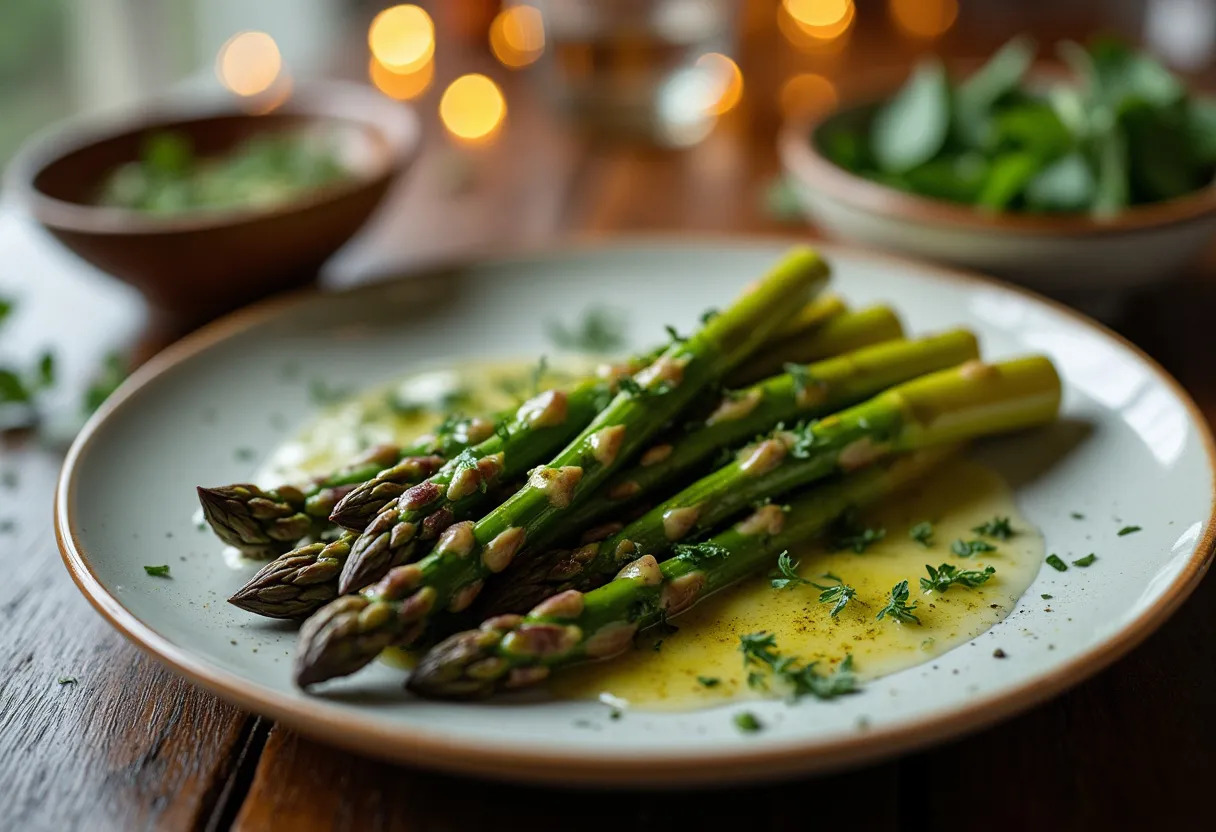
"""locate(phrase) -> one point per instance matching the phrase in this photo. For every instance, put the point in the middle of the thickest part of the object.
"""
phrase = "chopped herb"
(1085, 561)
(657, 646)
(1076, 515)
(1128, 530)
(760, 650)
(67, 680)
(6, 308)
(838, 594)
(922, 533)
(615, 713)
(967, 548)
(1056, 563)
(46, 370)
(1046, 597)
(847, 533)
(801, 376)
(676, 337)
(321, 393)
(107, 379)
(788, 567)
(698, 553)
(947, 575)
(709, 681)
(157, 571)
(502, 429)
(746, 721)
(997, 527)
(897, 605)
(709, 314)
(12, 389)
(600, 330)
(630, 385)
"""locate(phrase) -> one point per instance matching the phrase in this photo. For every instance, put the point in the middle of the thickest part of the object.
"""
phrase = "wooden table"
(130, 746)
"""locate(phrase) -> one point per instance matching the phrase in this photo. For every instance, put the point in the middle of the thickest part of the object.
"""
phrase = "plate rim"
(602, 767)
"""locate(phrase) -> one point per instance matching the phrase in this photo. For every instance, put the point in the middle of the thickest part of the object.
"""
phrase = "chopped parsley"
(1126, 530)
(709, 314)
(68, 680)
(1056, 563)
(709, 681)
(967, 548)
(801, 376)
(898, 607)
(997, 528)
(838, 594)
(847, 533)
(922, 533)
(788, 567)
(1076, 515)
(947, 575)
(600, 330)
(747, 722)
(760, 652)
(1046, 597)
(698, 553)
(1085, 561)
(630, 385)
(157, 571)
(676, 337)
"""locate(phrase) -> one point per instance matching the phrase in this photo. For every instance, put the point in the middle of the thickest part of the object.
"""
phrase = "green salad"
(1122, 131)
(267, 170)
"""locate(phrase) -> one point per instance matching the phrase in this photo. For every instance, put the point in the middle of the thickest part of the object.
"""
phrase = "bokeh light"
(402, 38)
(248, 63)
(924, 18)
(517, 36)
(818, 19)
(402, 86)
(472, 108)
(807, 94)
(726, 78)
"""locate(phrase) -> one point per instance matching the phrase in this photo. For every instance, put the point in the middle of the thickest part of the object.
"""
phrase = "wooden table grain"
(96, 736)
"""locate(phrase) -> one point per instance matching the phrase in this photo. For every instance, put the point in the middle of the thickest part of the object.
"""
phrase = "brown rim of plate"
(434, 750)
(802, 159)
(354, 105)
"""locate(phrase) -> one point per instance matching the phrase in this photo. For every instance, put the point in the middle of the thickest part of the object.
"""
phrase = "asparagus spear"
(807, 391)
(972, 400)
(512, 651)
(839, 334)
(276, 590)
(348, 633)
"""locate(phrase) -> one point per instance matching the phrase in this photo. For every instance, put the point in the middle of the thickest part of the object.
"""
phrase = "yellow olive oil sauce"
(960, 495)
(664, 670)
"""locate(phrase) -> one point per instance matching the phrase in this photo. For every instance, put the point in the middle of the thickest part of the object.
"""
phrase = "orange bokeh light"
(473, 108)
(818, 13)
(248, 63)
(807, 93)
(800, 30)
(402, 38)
(402, 86)
(924, 18)
(517, 36)
(727, 77)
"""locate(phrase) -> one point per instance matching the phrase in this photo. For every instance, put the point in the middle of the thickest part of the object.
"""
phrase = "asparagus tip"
(443, 672)
(336, 642)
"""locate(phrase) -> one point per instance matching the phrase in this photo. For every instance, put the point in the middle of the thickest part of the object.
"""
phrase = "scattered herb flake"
(244, 454)
(922, 533)
(1085, 561)
(747, 722)
(322, 393)
(1046, 597)
(698, 553)
(158, 571)
(967, 548)
(1126, 530)
(760, 651)
(68, 680)
(1056, 563)
(1076, 515)
(788, 567)
(838, 594)
(709, 314)
(709, 681)
(898, 607)
(801, 377)
(997, 528)
(947, 575)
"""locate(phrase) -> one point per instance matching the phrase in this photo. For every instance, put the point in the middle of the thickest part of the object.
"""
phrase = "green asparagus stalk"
(841, 333)
(953, 405)
(807, 391)
(811, 317)
(348, 633)
(512, 651)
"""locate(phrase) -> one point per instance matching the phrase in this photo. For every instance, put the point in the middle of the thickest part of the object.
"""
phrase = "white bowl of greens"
(1100, 178)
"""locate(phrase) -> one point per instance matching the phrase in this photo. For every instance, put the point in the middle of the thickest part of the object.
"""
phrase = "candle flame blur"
(402, 38)
(402, 86)
(248, 63)
(727, 78)
(822, 20)
(473, 108)
(924, 18)
(806, 94)
(517, 36)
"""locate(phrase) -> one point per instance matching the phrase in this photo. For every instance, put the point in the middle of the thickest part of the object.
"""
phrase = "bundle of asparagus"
(636, 481)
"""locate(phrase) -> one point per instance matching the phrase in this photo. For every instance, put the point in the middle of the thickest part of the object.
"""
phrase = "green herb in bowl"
(1122, 131)
(262, 172)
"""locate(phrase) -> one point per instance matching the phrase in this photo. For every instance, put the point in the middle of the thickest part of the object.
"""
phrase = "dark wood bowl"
(193, 267)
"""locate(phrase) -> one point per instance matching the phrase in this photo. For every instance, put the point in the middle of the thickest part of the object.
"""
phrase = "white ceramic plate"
(1131, 449)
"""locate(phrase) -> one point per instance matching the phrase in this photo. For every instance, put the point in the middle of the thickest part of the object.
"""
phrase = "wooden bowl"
(195, 266)
(1060, 254)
